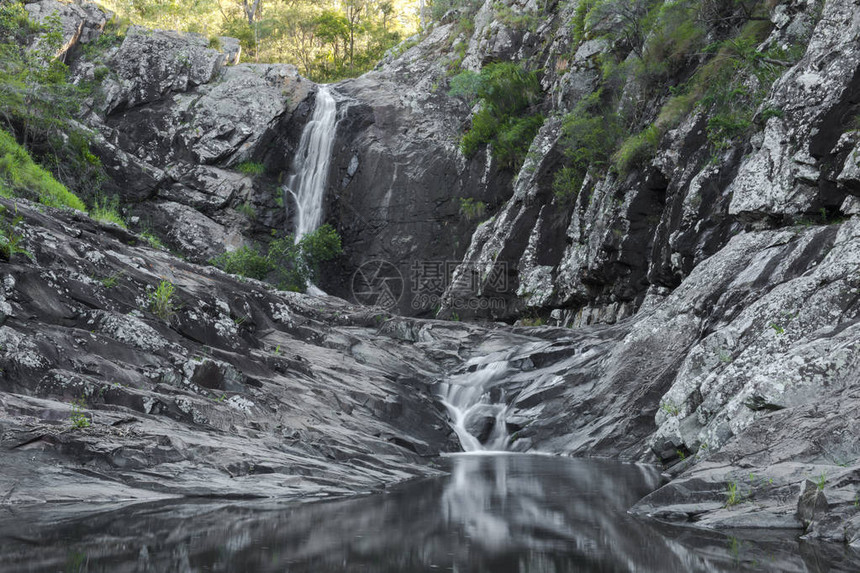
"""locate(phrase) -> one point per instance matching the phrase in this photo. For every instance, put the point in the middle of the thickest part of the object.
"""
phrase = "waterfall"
(311, 164)
(477, 408)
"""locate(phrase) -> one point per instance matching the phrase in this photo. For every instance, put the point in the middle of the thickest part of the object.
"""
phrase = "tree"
(354, 10)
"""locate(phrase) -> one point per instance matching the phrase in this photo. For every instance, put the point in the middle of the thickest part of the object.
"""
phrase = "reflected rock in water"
(494, 513)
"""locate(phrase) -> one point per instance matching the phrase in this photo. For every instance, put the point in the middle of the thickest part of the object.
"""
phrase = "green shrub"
(733, 494)
(39, 105)
(292, 265)
(10, 238)
(244, 261)
(578, 25)
(675, 33)
(21, 177)
(297, 264)
(107, 211)
(161, 301)
(153, 241)
(465, 86)
(507, 92)
(675, 110)
(251, 168)
(637, 150)
(566, 184)
(589, 135)
(15, 24)
(100, 73)
(514, 139)
(508, 88)
(721, 86)
(78, 417)
(517, 20)
(485, 126)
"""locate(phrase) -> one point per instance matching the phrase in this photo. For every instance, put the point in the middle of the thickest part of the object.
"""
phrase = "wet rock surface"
(237, 390)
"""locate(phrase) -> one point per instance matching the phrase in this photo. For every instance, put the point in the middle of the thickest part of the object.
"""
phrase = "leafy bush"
(516, 19)
(567, 183)
(78, 417)
(465, 86)
(153, 241)
(722, 87)
(637, 150)
(485, 126)
(514, 139)
(674, 35)
(297, 264)
(589, 135)
(292, 265)
(247, 209)
(39, 103)
(21, 177)
(507, 92)
(578, 25)
(244, 261)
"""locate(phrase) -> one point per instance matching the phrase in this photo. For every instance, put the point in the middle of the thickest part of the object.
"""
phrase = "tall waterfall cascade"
(310, 167)
(476, 405)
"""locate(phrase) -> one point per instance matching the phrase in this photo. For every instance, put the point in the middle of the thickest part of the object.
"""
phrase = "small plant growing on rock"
(78, 418)
(251, 168)
(247, 209)
(472, 209)
(11, 238)
(777, 328)
(153, 241)
(733, 495)
(161, 300)
(112, 280)
(107, 211)
(670, 408)
(821, 481)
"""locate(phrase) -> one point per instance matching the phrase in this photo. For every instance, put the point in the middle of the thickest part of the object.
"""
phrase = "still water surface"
(494, 513)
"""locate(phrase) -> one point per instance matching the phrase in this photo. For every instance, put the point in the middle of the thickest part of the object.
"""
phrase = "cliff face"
(625, 236)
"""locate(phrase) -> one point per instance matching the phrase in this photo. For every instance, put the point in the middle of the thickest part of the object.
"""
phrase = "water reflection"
(495, 513)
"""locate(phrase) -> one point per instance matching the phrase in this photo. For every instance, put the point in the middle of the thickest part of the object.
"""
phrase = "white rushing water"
(311, 164)
(475, 412)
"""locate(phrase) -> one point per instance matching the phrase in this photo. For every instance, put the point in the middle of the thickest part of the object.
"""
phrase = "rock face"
(782, 178)
(235, 388)
(172, 121)
(398, 179)
(79, 23)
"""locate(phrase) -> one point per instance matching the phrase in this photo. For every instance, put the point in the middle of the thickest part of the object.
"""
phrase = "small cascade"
(311, 163)
(476, 404)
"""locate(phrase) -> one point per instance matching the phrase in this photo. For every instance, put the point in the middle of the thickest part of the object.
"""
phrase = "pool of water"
(493, 513)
